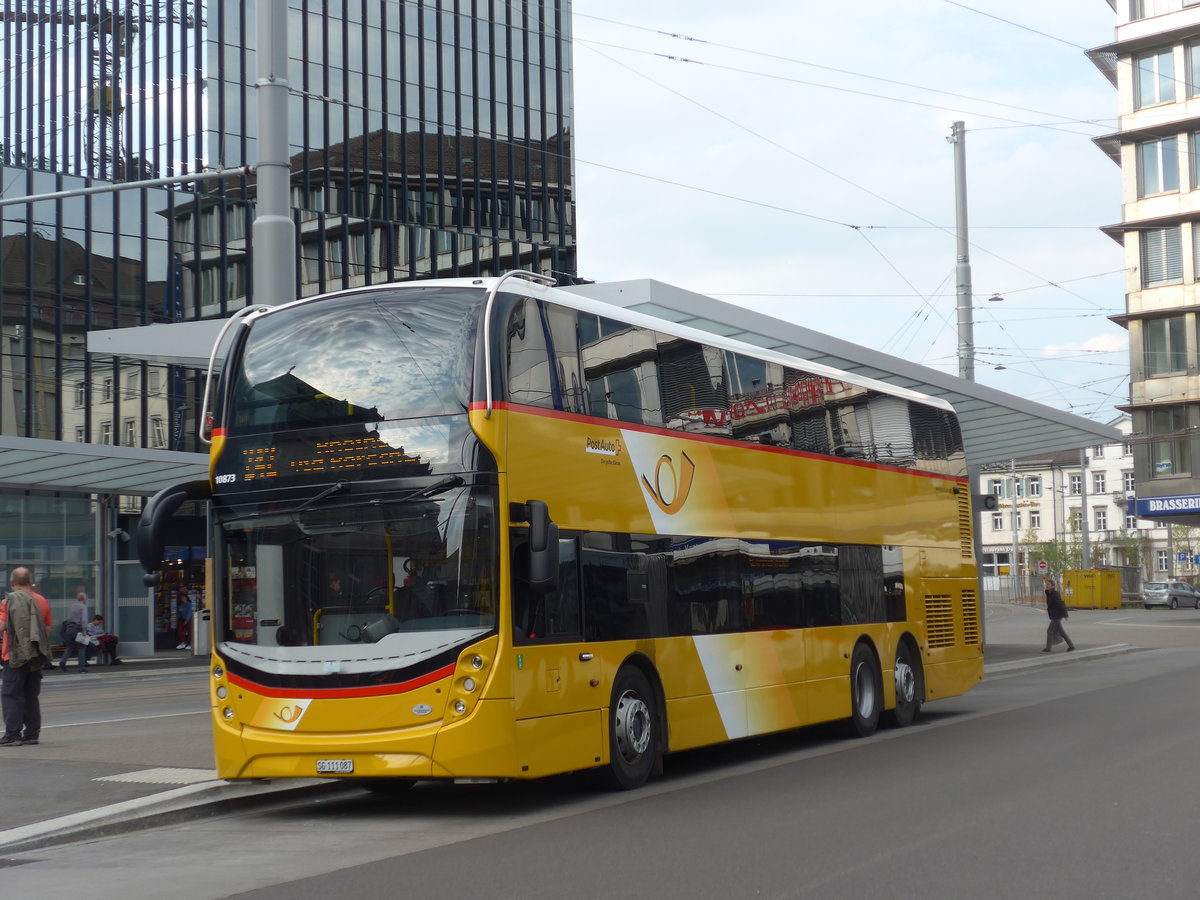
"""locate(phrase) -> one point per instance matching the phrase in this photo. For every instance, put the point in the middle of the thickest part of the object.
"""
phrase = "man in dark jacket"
(1057, 611)
(25, 623)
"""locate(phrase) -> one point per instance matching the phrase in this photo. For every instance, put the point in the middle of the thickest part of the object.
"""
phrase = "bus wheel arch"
(636, 724)
(866, 689)
(909, 680)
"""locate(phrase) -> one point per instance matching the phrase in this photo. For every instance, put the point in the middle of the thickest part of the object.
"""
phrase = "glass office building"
(427, 138)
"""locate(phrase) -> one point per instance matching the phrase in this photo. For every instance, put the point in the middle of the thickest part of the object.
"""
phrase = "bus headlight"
(468, 684)
(477, 662)
(218, 672)
(222, 692)
(459, 707)
(227, 712)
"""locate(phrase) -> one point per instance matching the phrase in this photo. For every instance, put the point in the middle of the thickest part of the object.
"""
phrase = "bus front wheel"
(910, 687)
(866, 691)
(632, 729)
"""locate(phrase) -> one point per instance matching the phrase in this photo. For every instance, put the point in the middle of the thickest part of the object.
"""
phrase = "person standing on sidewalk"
(25, 649)
(186, 612)
(77, 617)
(1057, 611)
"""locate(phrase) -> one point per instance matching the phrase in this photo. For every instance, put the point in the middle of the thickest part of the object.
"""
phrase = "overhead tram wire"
(1018, 25)
(1052, 126)
(830, 172)
(1066, 120)
(818, 166)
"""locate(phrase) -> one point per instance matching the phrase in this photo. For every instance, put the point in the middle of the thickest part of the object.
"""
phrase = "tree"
(1059, 555)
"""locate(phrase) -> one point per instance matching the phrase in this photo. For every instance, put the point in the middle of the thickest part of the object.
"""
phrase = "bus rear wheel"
(866, 691)
(633, 725)
(910, 687)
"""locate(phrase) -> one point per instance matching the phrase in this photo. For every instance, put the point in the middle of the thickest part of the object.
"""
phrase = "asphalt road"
(1069, 780)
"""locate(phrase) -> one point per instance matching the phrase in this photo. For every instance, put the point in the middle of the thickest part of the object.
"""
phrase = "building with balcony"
(1154, 63)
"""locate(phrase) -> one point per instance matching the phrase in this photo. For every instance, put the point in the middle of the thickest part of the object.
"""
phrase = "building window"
(1098, 452)
(128, 433)
(1075, 520)
(1162, 256)
(106, 388)
(1129, 480)
(1155, 75)
(1169, 454)
(158, 433)
(1144, 9)
(1158, 167)
(1034, 485)
(153, 381)
(1162, 561)
(80, 435)
(1075, 485)
(106, 433)
(997, 521)
(1098, 482)
(1193, 67)
(80, 395)
(1017, 520)
(1100, 518)
(1165, 342)
(998, 487)
(1035, 518)
(1131, 522)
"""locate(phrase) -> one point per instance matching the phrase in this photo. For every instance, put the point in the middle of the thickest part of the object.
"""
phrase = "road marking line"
(204, 712)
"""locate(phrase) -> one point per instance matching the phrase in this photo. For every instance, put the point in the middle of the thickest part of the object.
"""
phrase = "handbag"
(83, 638)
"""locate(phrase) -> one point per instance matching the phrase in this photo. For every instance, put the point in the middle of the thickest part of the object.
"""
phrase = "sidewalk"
(51, 801)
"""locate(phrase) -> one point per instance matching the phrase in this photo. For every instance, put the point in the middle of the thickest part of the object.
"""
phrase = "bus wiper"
(332, 489)
(444, 485)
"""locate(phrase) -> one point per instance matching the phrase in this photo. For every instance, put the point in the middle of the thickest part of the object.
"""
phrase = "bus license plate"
(335, 766)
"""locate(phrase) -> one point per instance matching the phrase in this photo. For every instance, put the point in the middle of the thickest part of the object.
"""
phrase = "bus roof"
(586, 304)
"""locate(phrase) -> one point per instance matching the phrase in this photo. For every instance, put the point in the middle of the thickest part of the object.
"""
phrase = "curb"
(1016, 666)
(187, 803)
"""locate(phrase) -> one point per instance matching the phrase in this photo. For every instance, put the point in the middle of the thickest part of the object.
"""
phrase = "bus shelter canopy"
(32, 464)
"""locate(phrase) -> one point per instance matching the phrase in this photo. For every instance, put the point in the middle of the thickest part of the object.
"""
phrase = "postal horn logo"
(290, 715)
(670, 491)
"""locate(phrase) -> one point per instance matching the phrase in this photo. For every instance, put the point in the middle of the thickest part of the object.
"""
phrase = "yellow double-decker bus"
(487, 528)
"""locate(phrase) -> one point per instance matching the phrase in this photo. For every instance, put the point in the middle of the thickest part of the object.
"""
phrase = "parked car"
(1170, 593)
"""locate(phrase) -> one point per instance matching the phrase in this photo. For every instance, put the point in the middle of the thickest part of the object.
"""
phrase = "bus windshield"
(367, 386)
(338, 569)
(378, 356)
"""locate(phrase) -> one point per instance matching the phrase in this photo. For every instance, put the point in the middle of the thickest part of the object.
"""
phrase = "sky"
(791, 157)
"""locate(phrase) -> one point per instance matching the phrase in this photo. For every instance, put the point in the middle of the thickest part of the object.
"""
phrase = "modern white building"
(1154, 62)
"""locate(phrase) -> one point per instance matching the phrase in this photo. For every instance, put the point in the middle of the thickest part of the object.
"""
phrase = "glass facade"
(427, 138)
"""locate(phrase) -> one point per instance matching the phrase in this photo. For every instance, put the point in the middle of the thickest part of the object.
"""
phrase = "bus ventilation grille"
(970, 608)
(965, 539)
(939, 621)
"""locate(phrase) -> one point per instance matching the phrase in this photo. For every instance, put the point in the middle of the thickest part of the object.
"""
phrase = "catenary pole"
(273, 232)
(966, 326)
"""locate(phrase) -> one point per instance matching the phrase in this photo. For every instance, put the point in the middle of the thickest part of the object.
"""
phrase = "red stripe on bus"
(706, 438)
(380, 690)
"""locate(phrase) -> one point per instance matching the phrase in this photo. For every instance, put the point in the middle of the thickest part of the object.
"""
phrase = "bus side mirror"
(152, 526)
(543, 548)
